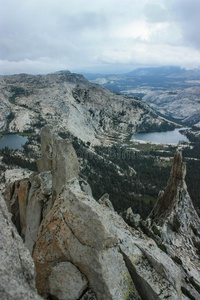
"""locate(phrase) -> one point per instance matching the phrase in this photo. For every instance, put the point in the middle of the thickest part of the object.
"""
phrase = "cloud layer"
(44, 36)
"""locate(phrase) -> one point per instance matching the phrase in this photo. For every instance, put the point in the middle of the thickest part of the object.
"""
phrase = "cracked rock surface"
(17, 276)
(83, 249)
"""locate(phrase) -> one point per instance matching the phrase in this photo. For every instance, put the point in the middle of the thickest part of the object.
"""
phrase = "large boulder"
(67, 282)
(118, 262)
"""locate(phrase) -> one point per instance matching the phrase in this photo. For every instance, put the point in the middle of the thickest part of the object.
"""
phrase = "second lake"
(13, 141)
(163, 137)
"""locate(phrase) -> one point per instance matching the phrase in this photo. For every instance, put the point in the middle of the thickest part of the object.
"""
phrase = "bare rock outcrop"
(58, 156)
(112, 256)
(74, 236)
(175, 225)
(176, 184)
(29, 200)
(17, 276)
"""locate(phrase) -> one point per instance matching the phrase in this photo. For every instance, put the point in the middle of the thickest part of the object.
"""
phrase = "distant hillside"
(70, 102)
(172, 91)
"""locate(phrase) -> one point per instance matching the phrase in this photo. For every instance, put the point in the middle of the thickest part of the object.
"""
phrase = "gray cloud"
(187, 13)
(38, 36)
(156, 12)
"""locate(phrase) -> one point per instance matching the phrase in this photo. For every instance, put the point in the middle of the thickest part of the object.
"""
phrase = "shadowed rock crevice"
(17, 274)
(142, 289)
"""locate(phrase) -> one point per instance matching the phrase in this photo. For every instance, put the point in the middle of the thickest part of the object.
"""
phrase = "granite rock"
(17, 275)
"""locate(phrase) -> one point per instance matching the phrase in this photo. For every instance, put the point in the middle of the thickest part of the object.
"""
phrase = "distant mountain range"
(172, 91)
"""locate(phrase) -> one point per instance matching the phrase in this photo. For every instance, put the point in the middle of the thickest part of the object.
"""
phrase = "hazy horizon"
(113, 36)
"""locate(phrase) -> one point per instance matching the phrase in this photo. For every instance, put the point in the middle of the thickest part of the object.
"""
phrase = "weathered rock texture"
(114, 258)
(175, 190)
(176, 226)
(76, 237)
(17, 277)
(58, 156)
(29, 200)
(67, 282)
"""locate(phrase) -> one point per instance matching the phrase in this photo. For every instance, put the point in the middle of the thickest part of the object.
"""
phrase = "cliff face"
(176, 191)
(17, 276)
(71, 103)
(175, 224)
(83, 249)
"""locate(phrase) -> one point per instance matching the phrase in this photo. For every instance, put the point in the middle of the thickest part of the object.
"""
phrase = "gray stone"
(13, 175)
(89, 295)
(29, 200)
(16, 196)
(118, 261)
(177, 227)
(58, 156)
(85, 187)
(167, 200)
(105, 249)
(34, 212)
(104, 200)
(22, 195)
(66, 282)
(17, 277)
(130, 218)
(46, 183)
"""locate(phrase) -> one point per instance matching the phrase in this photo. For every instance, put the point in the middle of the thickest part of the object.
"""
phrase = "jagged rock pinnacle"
(175, 226)
(179, 167)
(59, 157)
(166, 201)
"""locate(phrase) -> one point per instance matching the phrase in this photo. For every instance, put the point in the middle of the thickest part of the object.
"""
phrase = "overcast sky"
(42, 36)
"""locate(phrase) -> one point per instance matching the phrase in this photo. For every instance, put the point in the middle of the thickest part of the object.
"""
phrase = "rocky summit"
(82, 249)
(70, 102)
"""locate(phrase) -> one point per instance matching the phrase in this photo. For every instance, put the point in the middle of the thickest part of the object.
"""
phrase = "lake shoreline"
(173, 137)
(13, 141)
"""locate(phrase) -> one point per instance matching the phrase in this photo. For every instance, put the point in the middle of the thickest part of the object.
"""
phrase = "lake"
(13, 141)
(163, 137)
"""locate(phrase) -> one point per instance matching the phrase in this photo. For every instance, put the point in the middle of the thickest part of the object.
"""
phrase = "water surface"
(13, 141)
(163, 137)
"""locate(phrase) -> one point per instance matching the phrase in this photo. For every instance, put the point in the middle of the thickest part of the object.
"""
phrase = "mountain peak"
(168, 199)
(61, 72)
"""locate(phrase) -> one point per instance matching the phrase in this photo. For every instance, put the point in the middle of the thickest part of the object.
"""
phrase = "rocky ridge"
(71, 234)
(171, 91)
(181, 104)
(178, 228)
(174, 225)
(70, 102)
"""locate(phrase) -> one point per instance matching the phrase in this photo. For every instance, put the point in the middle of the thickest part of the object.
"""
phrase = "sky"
(43, 36)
